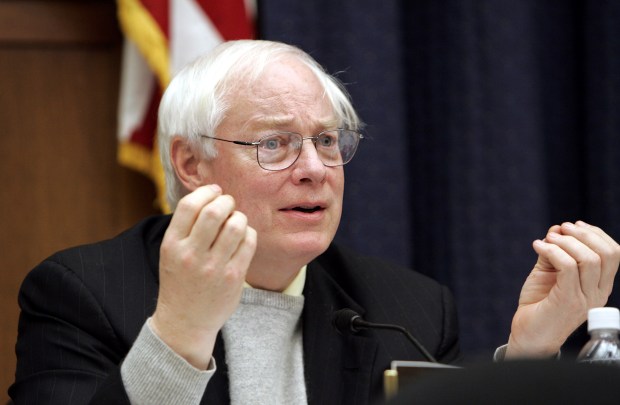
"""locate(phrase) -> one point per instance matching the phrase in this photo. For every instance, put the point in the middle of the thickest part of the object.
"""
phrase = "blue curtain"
(488, 121)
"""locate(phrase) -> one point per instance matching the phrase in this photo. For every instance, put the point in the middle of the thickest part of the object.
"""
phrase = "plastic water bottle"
(604, 345)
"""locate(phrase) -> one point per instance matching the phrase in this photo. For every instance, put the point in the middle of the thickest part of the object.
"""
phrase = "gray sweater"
(263, 342)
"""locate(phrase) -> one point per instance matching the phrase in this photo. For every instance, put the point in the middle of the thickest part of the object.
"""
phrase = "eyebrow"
(271, 121)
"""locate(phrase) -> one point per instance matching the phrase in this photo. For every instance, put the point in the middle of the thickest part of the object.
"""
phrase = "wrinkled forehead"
(285, 91)
(286, 121)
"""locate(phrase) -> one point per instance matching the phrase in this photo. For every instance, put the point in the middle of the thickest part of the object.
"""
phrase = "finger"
(589, 234)
(236, 269)
(597, 230)
(188, 209)
(210, 221)
(554, 228)
(230, 237)
(562, 263)
(233, 270)
(601, 243)
(588, 262)
(245, 252)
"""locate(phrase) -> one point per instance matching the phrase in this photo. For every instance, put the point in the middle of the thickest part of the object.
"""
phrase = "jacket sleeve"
(67, 351)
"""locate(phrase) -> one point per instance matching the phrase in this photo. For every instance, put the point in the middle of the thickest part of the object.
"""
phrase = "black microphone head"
(343, 320)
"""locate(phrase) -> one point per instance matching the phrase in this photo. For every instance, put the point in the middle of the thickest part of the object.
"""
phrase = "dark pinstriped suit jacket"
(83, 308)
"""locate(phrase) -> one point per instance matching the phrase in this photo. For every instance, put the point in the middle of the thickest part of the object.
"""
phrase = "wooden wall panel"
(60, 183)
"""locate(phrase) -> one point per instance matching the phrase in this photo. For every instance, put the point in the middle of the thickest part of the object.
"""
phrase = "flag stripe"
(230, 18)
(158, 9)
(140, 26)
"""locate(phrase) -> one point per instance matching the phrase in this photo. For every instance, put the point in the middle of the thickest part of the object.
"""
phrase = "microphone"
(348, 321)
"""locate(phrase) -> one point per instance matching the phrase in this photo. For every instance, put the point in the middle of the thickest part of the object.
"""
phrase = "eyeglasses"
(280, 150)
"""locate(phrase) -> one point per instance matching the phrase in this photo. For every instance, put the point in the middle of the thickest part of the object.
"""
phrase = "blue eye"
(327, 140)
(277, 142)
(271, 144)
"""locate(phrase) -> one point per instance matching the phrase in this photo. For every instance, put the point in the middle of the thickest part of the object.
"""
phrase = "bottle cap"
(603, 318)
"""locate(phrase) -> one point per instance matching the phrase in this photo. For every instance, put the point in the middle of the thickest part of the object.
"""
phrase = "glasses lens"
(337, 147)
(278, 151)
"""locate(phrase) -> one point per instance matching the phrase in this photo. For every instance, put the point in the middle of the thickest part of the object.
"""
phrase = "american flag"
(161, 36)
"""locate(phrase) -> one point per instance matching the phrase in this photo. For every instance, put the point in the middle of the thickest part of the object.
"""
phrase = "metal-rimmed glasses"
(281, 150)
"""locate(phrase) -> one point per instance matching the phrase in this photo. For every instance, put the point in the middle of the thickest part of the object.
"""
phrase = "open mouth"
(307, 210)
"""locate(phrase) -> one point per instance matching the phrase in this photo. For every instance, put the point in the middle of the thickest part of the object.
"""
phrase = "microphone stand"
(358, 322)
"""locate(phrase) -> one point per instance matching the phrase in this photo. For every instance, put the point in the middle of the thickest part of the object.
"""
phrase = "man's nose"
(309, 165)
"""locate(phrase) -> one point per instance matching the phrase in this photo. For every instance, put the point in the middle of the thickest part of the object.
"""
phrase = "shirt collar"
(296, 287)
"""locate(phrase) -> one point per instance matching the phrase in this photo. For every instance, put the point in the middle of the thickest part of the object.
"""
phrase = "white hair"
(196, 102)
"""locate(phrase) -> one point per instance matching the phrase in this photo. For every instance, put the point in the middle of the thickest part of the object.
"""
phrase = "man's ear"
(188, 164)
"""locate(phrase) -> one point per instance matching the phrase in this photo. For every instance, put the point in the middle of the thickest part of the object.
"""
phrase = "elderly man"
(231, 298)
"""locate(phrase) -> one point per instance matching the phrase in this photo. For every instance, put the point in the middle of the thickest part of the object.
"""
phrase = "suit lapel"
(338, 366)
